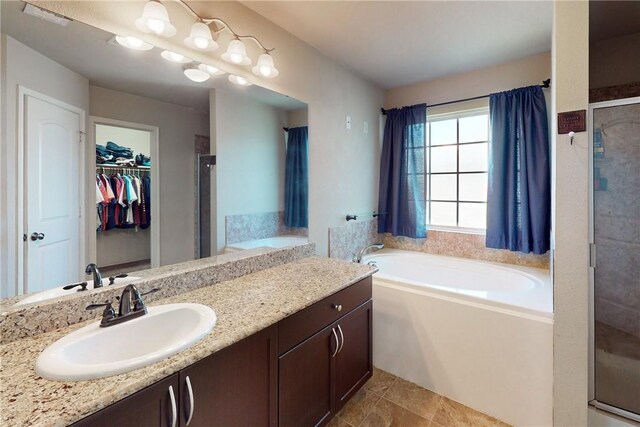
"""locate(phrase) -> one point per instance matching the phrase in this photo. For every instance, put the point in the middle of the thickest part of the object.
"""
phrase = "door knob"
(37, 236)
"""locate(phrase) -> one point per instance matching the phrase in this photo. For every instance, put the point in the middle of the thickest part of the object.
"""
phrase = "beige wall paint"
(177, 129)
(570, 181)
(614, 61)
(298, 118)
(524, 72)
(250, 154)
(24, 66)
(341, 176)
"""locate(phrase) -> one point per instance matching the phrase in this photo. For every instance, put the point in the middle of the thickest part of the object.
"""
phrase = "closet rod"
(545, 84)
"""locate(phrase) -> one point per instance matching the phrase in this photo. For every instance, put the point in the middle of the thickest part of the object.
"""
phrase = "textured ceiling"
(394, 43)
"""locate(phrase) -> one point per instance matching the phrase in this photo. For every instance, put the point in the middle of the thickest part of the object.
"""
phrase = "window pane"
(443, 213)
(444, 132)
(473, 187)
(473, 157)
(443, 159)
(473, 215)
(443, 187)
(474, 129)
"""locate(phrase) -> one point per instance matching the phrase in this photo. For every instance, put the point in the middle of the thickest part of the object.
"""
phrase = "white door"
(52, 194)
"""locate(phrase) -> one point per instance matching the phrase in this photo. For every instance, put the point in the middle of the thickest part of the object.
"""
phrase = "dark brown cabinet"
(299, 372)
(320, 374)
(154, 406)
(233, 387)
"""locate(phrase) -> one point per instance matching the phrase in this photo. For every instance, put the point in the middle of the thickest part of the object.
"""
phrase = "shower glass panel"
(616, 235)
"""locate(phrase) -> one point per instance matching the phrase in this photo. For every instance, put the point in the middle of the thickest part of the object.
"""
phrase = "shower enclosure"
(615, 256)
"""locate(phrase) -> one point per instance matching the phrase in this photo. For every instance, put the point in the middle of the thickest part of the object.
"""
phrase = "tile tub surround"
(463, 245)
(253, 226)
(31, 320)
(244, 306)
(387, 400)
(347, 240)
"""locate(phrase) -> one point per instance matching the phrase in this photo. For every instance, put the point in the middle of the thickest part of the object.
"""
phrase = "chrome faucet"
(97, 277)
(358, 258)
(131, 306)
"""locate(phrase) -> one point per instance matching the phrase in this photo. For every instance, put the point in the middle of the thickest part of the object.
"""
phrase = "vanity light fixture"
(236, 53)
(201, 38)
(133, 43)
(196, 74)
(240, 81)
(265, 67)
(155, 19)
(175, 57)
(214, 71)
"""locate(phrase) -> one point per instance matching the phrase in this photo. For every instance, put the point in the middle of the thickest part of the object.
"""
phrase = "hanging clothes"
(122, 201)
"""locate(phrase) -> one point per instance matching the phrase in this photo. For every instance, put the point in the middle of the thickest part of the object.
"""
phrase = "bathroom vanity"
(292, 345)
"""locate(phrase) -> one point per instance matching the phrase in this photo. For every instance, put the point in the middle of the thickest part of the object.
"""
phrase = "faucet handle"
(139, 303)
(83, 286)
(107, 315)
(112, 279)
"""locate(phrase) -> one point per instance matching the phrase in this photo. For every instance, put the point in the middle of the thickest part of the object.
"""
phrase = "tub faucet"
(97, 277)
(358, 258)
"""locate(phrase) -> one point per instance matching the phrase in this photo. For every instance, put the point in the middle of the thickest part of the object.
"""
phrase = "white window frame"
(448, 116)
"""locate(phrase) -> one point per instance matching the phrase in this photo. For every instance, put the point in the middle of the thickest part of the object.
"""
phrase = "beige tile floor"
(389, 401)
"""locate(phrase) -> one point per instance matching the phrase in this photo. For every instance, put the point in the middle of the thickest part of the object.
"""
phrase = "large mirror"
(113, 156)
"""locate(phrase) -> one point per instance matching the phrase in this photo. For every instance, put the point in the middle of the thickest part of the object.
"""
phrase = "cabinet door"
(306, 386)
(234, 387)
(150, 407)
(354, 364)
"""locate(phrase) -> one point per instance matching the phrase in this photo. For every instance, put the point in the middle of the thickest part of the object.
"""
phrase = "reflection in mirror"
(128, 164)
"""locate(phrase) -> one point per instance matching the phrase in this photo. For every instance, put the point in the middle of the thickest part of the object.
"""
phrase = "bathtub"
(480, 333)
(272, 242)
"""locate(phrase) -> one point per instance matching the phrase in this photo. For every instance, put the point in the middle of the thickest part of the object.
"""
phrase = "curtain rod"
(545, 84)
(285, 129)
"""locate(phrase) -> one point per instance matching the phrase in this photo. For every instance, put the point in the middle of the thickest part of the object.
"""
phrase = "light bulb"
(265, 70)
(201, 42)
(236, 53)
(214, 71)
(156, 25)
(196, 75)
(133, 43)
(236, 58)
(240, 81)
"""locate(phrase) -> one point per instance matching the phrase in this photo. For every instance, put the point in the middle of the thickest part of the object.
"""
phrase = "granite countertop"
(244, 305)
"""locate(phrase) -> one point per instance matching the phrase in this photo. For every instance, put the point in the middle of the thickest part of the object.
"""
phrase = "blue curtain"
(296, 180)
(402, 193)
(519, 193)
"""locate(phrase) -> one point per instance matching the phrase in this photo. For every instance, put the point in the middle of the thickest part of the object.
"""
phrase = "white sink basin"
(59, 292)
(94, 352)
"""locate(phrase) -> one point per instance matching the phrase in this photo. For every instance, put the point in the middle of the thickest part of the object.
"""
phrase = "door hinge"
(24, 237)
(79, 211)
(82, 135)
(592, 255)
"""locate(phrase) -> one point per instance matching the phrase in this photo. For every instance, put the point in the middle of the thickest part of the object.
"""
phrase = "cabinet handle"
(341, 339)
(191, 402)
(174, 410)
(337, 342)
(338, 307)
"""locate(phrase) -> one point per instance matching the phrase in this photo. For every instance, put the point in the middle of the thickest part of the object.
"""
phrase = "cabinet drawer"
(300, 326)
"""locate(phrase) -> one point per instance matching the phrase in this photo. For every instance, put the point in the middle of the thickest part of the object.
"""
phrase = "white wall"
(614, 61)
(343, 172)
(250, 157)
(22, 65)
(569, 210)
(178, 126)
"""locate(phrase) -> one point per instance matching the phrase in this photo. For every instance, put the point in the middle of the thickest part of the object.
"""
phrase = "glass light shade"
(196, 75)
(175, 57)
(133, 43)
(155, 19)
(265, 67)
(236, 53)
(240, 81)
(214, 71)
(200, 38)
